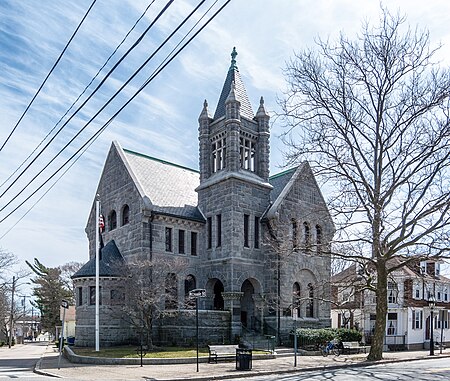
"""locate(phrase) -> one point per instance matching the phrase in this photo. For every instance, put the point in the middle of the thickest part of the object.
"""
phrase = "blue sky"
(162, 121)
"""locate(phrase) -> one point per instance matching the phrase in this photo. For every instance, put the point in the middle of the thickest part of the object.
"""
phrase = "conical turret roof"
(240, 92)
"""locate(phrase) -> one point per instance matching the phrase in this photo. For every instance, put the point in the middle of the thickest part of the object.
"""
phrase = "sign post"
(295, 318)
(197, 293)
(64, 305)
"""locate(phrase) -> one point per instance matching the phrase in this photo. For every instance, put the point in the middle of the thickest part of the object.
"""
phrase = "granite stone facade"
(256, 243)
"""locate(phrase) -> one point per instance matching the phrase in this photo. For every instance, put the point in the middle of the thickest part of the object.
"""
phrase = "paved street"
(18, 362)
(420, 370)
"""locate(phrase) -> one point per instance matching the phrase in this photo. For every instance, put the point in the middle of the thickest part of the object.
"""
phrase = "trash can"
(243, 359)
(71, 340)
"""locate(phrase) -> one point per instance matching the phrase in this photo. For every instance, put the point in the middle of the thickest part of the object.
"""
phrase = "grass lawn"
(129, 351)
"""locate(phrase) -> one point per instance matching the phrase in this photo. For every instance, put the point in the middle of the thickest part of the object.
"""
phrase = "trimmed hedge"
(320, 336)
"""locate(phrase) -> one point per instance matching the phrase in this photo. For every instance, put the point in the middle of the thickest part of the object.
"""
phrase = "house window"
(79, 296)
(193, 243)
(219, 151)
(247, 152)
(246, 229)
(168, 239)
(445, 296)
(181, 235)
(256, 243)
(294, 234)
(171, 292)
(417, 318)
(112, 220)
(439, 295)
(437, 269)
(209, 232)
(318, 238)
(392, 292)
(92, 295)
(219, 230)
(307, 232)
(310, 302)
(125, 215)
(392, 323)
(417, 293)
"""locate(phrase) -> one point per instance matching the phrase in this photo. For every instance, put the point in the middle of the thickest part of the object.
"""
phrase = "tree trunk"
(376, 349)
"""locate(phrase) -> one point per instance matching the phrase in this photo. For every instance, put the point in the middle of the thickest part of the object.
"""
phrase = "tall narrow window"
(247, 152)
(125, 215)
(219, 230)
(256, 243)
(318, 238)
(392, 323)
(181, 235)
(296, 300)
(218, 150)
(246, 229)
(171, 294)
(294, 234)
(209, 232)
(168, 239)
(112, 220)
(80, 296)
(392, 292)
(193, 243)
(307, 232)
(92, 295)
(310, 302)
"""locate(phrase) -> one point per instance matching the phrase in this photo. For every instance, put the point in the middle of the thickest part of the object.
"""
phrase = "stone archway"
(248, 310)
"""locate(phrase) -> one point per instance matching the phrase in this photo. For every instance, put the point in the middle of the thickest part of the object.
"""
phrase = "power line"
(103, 107)
(81, 94)
(93, 140)
(137, 42)
(48, 75)
(98, 133)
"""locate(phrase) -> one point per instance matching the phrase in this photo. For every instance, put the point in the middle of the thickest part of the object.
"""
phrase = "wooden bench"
(217, 351)
(353, 346)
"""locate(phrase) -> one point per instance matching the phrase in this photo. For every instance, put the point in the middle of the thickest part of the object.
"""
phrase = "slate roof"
(111, 263)
(169, 187)
(240, 92)
(279, 181)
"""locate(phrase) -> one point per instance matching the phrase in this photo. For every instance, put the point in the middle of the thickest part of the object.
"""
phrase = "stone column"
(232, 303)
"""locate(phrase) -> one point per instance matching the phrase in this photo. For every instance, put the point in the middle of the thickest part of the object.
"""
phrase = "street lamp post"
(432, 304)
(197, 293)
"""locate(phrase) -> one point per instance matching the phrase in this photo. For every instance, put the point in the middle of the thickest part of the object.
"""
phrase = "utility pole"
(11, 316)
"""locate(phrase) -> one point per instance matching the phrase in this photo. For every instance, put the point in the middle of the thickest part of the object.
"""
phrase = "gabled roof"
(111, 263)
(169, 187)
(240, 92)
(279, 182)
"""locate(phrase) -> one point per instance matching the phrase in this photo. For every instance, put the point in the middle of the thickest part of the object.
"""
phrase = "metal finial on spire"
(233, 58)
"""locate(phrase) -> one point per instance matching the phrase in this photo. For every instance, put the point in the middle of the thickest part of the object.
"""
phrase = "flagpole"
(97, 275)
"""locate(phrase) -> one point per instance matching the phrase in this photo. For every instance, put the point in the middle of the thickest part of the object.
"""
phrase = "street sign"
(64, 304)
(197, 293)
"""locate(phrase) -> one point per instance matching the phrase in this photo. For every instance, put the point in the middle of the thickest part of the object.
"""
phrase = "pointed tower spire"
(261, 110)
(239, 91)
(205, 113)
(232, 105)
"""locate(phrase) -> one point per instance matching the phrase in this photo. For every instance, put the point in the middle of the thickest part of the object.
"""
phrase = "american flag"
(101, 223)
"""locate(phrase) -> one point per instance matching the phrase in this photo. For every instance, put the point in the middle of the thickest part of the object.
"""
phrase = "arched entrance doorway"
(218, 303)
(247, 305)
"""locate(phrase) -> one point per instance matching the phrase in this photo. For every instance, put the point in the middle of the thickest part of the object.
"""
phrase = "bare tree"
(151, 291)
(372, 117)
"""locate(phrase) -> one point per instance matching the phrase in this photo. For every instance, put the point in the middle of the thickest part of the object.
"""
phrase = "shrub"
(317, 337)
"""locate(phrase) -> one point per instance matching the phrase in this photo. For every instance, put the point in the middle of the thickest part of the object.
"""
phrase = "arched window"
(318, 238)
(112, 220)
(218, 298)
(307, 233)
(189, 285)
(125, 215)
(296, 301)
(310, 302)
(171, 292)
(294, 234)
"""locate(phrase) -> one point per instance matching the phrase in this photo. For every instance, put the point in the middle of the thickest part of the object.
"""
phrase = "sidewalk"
(48, 365)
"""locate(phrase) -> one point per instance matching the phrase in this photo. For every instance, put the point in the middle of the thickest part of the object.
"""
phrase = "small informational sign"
(197, 293)
(64, 304)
